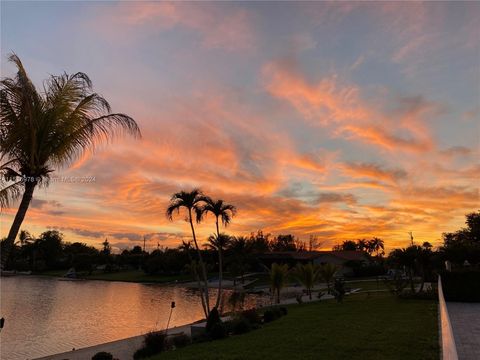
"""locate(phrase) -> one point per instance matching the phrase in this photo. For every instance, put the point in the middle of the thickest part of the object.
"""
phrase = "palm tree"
(41, 131)
(327, 272)
(308, 275)
(219, 243)
(225, 212)
(192, 202)
(376, 245)
(278, 278)
(406, 258)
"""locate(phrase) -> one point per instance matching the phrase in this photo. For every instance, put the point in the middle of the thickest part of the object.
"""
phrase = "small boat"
(71, 275)
(24, 273)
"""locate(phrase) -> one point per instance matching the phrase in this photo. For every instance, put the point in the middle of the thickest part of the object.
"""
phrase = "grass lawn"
(379, 326)
(129, 276)
(137, 276)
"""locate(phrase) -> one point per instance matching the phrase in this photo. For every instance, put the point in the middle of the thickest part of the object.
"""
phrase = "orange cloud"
(340, 107)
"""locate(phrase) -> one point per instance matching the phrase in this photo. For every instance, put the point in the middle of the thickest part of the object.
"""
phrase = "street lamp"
(172, 306)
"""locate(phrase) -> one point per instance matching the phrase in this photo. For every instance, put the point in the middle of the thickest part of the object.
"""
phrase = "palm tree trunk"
(220, 266)
(202, 264)
(197, 279)
(17, 222)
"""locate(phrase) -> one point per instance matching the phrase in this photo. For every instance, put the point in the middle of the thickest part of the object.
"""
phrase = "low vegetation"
(364, 326)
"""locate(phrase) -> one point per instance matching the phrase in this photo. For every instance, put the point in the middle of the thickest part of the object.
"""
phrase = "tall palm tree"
(225, 213)
(278, 278)
(327, 272)
(308, 275)
(41, 131)
(192, 202)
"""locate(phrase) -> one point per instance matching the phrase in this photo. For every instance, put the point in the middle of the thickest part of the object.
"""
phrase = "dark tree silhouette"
(192, 202)
(42, 131)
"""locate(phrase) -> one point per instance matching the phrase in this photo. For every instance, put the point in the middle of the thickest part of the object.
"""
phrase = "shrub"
(181, 340)
(153, 343)
(269, 316)
(102, 355)
(218, 331)
(142, 353)
(461, 285)
(251, 316)
(241, 326)
(278, 312)
(283, 310)
(213, 318)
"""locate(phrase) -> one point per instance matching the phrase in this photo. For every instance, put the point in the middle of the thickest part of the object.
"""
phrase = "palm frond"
(43, 131)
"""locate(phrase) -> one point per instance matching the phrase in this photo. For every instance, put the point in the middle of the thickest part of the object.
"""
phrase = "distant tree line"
(50, 251)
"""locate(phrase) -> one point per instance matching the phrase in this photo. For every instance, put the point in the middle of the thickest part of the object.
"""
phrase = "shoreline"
(122, 349)
(188, 283)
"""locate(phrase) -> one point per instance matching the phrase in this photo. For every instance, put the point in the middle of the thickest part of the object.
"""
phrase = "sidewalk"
(465, 321)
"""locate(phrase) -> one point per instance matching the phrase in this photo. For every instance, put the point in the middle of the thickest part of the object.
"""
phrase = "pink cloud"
(226, 27)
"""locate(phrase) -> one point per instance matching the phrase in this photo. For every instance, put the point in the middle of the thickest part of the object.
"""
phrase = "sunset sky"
(343, 120)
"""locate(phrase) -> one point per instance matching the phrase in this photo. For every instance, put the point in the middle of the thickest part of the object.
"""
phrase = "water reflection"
(46, 316)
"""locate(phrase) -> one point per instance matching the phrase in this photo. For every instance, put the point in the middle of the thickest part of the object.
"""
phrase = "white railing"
(449, 349)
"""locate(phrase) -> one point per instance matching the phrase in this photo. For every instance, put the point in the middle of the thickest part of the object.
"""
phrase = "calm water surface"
(46, 316)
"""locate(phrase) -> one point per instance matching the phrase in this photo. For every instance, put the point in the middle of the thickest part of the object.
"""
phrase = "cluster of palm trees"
(41, 131)
(197, 206)
(307, 274)
(413, 259)
(371, 246)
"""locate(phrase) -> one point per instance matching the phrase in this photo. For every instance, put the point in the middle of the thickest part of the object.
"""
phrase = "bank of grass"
(374, 326)
(129, 276)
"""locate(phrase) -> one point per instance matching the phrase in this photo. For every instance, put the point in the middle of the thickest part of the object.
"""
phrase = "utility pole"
(143, 243)
(411, 237)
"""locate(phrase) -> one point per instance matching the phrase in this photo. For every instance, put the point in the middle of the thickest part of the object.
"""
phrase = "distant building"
(343, 259)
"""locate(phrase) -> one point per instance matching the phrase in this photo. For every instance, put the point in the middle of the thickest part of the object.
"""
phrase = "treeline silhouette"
(50, 251)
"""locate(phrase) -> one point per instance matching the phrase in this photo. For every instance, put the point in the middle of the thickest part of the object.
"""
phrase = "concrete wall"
(449, 349)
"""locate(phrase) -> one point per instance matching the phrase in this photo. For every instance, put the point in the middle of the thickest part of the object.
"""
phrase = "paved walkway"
(121, 349)
(465, 321)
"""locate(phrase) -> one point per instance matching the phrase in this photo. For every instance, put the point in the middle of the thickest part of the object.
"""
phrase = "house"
(343, 259)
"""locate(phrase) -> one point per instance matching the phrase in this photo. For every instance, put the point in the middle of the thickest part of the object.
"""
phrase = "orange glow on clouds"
(307, 124)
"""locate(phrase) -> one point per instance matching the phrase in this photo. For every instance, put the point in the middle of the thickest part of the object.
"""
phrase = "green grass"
(138, 276)
(378, 326)
(128, 276)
